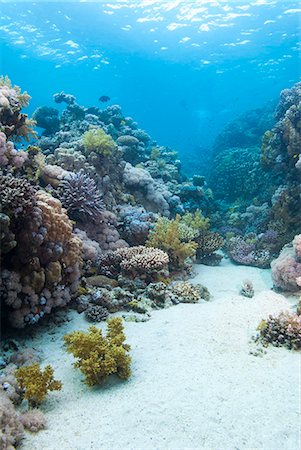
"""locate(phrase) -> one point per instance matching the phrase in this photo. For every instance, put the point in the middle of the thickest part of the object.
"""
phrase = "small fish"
(104, 99)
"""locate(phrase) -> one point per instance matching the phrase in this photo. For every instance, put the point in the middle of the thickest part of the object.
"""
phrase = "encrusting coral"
(100, 356)
(36, 382)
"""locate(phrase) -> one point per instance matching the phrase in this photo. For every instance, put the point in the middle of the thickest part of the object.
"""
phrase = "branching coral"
(36, 382)
(17, 196)
(100, 356)
(80, 196)
(166, 235)
(282, 330)
(208, 243)
(98, 141)
(137, 261)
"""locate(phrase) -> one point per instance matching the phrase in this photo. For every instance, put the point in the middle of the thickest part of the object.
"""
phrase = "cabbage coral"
(166, 235)
(98, 141)
(99, 356)
(36, 382)
(80, 196)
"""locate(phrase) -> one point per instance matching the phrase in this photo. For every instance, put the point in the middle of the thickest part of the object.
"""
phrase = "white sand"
(195, 384)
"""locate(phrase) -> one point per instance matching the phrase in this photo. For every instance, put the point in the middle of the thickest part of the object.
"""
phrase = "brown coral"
(36, 383)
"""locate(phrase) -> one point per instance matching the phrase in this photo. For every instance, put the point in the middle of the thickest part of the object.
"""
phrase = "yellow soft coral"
(98, 141)
(196, 221)
(166, 235)
(98, 355)
(36, 383)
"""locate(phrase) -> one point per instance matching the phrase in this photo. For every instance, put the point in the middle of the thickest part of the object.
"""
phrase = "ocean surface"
(182, 69)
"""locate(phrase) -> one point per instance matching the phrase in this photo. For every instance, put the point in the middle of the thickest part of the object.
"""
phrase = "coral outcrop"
(286, 269)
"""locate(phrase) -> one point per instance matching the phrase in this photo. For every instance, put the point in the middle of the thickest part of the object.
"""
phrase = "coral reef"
(190, 293)
(78, 193)
(100, 356)
(282, 330)
(47, 118)
(13, 123)
(97, 140)
(166, 235)
(96, 313)
(42, 272)
(286, 269)
(247, 251)
(36, 383)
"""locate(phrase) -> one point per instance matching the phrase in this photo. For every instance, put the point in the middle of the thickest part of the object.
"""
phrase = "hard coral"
(282, 330)
(36, 383)
(190, 293)
(80, 196)
(100, 356)
(12, 122)
(96, 313)
(138, 261)
(42, 271)
(10, 158)
(17, 196)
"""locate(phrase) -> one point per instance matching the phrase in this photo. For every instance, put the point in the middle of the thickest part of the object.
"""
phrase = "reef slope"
(195, 384)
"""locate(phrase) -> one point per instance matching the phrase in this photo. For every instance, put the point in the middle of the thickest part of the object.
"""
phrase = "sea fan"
(80, 196)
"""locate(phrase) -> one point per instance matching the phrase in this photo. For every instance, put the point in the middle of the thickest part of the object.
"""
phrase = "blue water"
(182, 69)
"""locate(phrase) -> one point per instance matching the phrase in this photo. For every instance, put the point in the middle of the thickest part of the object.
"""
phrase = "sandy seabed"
(196, 382)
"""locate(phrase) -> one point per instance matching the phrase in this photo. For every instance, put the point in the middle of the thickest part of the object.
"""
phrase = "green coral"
(167, 235)
(36, 383)
(98, 141)
(100, 356)
(196, 221)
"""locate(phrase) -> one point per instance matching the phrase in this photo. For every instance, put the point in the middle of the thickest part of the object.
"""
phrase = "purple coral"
(246, 253)
(80, 196)
(9, 156)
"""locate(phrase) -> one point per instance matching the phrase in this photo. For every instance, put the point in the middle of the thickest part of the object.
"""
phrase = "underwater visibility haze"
(150, 225)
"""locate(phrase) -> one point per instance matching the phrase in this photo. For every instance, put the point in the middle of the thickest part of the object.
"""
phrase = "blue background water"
(182, 69)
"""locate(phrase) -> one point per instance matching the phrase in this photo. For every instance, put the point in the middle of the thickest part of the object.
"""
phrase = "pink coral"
(9, 156)
(286, 269)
